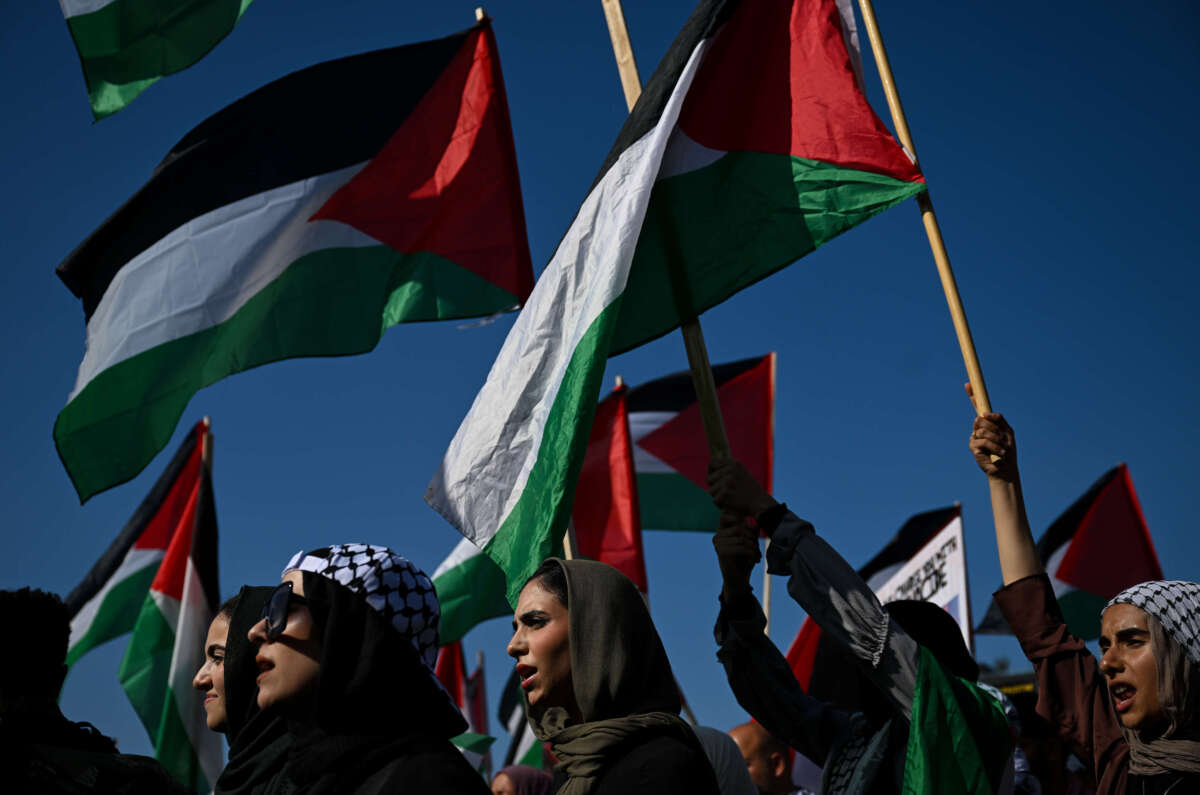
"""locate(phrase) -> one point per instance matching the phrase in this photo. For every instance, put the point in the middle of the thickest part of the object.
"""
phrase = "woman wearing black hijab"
(258, 741)
(599, 686)
(345, 655)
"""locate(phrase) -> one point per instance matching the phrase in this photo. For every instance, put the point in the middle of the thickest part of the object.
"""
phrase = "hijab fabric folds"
(258, 741)
(622, 678)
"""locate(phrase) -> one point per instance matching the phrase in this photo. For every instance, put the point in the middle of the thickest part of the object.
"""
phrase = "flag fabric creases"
(275, 229)
(708, 189)
(125, 46)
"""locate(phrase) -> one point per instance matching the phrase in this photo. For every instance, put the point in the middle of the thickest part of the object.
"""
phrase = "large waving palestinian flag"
(750, 146)
(470, 589)
(670, 454)
(302, 220)
(1097, 548)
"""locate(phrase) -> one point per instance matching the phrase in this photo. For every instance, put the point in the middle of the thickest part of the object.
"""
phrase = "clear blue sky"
(1059, 144)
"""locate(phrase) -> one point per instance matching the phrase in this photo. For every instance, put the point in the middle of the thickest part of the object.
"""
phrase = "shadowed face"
(1127, 661)
(289, 664)
(768, 769)
(210, 679)
(540, 644)
(503, 785)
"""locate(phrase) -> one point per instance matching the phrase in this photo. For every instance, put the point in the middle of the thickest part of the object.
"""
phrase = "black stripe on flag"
(702, 24)
(675, 392)
(204, 541)
(311, 122)
(915, 533)
(111, 560)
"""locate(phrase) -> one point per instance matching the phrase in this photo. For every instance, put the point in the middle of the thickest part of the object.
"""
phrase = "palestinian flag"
(670, 453)
(470, 694)
(709, 188)
(819, 663)
(523, 747)
(470, 589)
(127, 45)
(605, 513)
(105, 605)
(959, 740)
(475, 747)
(1097, 548)
(302, 220)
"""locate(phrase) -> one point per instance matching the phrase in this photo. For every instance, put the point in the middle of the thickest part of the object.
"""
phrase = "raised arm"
(992, 436)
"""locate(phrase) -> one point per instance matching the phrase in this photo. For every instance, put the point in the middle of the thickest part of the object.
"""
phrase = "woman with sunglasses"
(346, 647)
(599, 686)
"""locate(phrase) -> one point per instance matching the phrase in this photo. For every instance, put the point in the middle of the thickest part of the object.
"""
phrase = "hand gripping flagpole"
(932, 230)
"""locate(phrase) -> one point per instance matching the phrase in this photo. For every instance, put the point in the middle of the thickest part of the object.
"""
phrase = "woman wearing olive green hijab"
(599, 685)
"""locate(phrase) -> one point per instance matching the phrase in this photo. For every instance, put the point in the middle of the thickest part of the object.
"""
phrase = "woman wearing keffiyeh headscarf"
(346, 647)
(1134, 715)
(599, 687)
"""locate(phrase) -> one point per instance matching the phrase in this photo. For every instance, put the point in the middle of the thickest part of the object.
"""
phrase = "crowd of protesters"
(325, 682)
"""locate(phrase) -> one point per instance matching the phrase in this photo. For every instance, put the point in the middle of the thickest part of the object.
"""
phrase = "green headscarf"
(620, 673)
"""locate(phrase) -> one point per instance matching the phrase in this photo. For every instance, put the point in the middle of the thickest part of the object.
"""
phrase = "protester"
(767, 761)
(41, 750)
(346, 649)
(258, 741)
(1134, 716)
(210, 679)
(930, 709)
(522, 780)
(599, 687)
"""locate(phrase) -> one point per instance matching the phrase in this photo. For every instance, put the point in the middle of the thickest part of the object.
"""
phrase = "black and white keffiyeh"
(1176, 605)
(390, 584)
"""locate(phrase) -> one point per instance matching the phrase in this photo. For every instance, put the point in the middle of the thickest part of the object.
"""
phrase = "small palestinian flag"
(164, 588)
(470, 589)
(1097, 548)
(302, 220)
(125, 46)
(820, 664)
(670, 453)
(605, 514)
(470, 695)
(523, 747)
(750, 146)
(105, 605)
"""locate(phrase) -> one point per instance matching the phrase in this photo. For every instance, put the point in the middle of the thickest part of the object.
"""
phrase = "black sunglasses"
(275, 611)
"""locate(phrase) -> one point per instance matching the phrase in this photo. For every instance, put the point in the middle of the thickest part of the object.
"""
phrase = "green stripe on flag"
(958, 740)
(118, 613)
(736, 221)
(129, 44)
(672, 502)
(332, 302)
(523, 541)
(469, 593)
(144, 675)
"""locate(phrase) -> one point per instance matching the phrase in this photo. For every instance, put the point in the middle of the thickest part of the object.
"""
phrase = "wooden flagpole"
(932, 230)
(206, 445)
(693, 337)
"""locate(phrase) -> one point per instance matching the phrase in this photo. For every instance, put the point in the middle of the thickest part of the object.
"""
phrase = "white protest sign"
(936, 573)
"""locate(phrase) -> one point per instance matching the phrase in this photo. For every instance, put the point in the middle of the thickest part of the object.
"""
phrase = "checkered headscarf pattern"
(391, 585)
(1176, 605)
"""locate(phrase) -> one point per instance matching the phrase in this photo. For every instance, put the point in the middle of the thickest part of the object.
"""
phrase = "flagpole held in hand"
(928, 216)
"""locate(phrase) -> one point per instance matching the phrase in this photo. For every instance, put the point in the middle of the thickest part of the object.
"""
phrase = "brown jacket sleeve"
(1072, 695)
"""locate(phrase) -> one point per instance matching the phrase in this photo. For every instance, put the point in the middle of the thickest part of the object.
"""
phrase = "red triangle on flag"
(605, 514)
(748, 408)
(1111, 549)
(451, 671)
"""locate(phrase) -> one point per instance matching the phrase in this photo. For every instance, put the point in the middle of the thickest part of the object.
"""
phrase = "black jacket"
(664, 765)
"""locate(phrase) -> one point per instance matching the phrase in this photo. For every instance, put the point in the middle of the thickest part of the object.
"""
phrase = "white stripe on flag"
(135, 560)
(640, 424)
(202, 273)
(75, 8)
(487, 466)
(464, 551)
(191, 629)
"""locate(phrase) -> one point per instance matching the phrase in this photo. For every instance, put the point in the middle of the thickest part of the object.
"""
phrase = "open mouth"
(1122, 696)
(526, 674)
